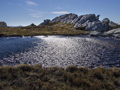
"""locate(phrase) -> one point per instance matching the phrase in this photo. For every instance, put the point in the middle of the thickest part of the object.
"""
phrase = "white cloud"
(31, 3)
(60, 12)
(35, 15)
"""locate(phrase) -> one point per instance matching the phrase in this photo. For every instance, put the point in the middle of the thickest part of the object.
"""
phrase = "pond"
(60, 51)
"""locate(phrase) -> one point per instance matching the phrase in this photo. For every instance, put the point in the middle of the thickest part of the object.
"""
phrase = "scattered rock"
(3, 24)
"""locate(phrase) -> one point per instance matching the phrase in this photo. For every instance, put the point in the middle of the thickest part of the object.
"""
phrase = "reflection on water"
(60, 51)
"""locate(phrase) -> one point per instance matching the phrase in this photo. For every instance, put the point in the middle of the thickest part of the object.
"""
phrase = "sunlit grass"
(54, 29)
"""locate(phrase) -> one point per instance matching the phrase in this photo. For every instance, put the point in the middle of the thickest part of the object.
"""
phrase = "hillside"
(49, 29)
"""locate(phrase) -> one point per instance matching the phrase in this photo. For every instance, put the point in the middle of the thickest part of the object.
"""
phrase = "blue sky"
(25, 12)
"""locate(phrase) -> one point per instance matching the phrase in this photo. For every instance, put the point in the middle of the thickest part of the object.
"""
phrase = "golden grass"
(54, 29)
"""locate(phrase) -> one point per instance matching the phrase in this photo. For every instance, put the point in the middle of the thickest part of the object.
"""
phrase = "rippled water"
(60, 51)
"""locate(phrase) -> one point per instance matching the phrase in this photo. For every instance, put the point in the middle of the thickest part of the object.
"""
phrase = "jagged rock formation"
(47, 21)
(67, 18)
(3, 24)
(89, 21)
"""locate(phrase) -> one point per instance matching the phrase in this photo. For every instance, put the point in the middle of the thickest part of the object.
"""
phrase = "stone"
(46, 21)
(95, 33)
(113, 24)
(3, 24)
(84, 18)
(95, 25)
(113, 32)
(32, 24)
(67, 18)
(105, 23)
(90, 22)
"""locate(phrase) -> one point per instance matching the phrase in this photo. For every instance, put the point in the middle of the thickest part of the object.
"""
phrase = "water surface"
(60, 51)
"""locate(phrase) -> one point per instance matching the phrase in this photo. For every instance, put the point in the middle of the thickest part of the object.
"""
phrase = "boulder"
(46, 21)
(95, 33)
(105, 23)
(84, 18)
(32, 24)
(95, 25)
(3, 24)
(113, 24)
(113, 32)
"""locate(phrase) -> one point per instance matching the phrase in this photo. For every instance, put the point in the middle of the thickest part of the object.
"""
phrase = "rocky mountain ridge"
(89, 21)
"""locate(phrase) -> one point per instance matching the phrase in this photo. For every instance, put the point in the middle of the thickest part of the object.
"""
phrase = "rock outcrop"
(46, 21)
(113, 33)
(32, 24)
(89, 21)
(3, 24)
(113, 24)
(67, 18)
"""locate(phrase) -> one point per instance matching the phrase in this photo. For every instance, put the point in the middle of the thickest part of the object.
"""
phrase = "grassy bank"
(25, 77)
(54, 29)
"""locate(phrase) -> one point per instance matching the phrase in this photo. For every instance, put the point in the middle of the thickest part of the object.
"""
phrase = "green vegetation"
(26, 77)
(50, 29)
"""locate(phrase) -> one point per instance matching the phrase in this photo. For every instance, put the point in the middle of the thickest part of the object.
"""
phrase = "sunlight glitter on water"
(59, 51)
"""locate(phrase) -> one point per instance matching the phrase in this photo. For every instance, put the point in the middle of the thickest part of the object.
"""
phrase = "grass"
(50, 29)
(26, 77)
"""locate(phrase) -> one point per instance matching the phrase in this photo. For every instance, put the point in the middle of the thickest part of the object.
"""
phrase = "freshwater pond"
(60, 51)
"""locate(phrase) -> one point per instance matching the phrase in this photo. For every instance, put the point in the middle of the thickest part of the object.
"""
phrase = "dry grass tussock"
(26, 77)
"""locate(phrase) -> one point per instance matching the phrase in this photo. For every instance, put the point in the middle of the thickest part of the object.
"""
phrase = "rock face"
(89, 21)
(105, 23)
(67, 18)
(3, 24)
(113, 32)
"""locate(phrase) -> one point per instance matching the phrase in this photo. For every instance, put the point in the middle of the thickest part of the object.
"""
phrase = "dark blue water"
(60, 51)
